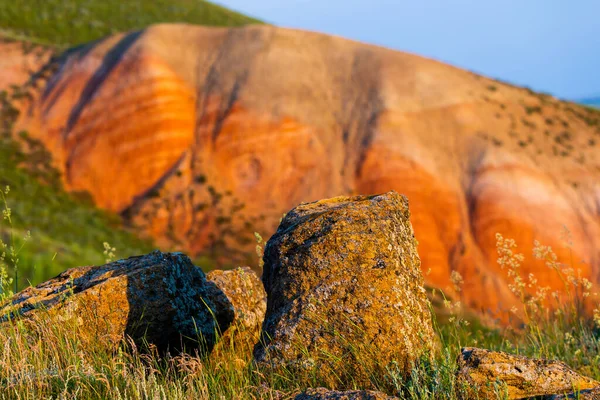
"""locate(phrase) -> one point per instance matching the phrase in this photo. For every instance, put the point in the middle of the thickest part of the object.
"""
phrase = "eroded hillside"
(201, 136)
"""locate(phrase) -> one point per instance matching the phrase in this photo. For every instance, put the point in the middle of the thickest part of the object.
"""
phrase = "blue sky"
(549, 45)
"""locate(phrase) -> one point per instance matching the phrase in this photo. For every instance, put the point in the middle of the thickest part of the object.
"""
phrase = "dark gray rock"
(160, 298)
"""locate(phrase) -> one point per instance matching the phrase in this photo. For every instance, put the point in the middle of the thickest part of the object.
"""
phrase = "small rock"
(326, 394)
(345, 290)
(246, 293)
(485, 374)
(160, 298)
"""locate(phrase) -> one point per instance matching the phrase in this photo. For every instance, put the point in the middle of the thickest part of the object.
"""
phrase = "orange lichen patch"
(95, 320)
(245, 291)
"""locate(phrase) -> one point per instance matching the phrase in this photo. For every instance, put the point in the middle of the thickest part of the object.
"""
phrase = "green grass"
(66, 23)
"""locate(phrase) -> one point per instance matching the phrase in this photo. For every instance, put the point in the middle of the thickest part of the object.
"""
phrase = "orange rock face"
(19, 61)
(201, 136)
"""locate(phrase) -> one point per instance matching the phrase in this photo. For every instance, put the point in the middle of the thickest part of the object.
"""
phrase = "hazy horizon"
(549, 46)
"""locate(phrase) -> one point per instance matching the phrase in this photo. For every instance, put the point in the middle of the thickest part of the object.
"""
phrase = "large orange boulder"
(485, 374)
(201, 136)
(345, 293)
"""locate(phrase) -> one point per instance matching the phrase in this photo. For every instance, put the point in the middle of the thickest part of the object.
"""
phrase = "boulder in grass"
(487, 374)
(344, 290)
(247, 295)
(160, 299)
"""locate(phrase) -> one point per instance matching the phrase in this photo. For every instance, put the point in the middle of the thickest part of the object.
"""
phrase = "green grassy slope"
(70, 22)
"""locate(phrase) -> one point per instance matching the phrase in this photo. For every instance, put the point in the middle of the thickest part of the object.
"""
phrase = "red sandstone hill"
(201, 136)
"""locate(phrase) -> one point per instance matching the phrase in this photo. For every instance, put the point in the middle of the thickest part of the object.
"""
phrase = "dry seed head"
(457, 280)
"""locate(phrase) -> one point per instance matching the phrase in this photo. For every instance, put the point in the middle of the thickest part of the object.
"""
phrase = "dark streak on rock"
(360, 108)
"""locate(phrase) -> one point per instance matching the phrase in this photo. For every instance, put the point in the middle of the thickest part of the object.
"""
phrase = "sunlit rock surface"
(246, 293)
(344, 290)
(492, 374)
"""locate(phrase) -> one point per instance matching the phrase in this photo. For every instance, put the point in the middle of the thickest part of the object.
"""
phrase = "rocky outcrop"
(326, 394)
(160, 298)
(247, 295)
(210, 134)
(487, 374)
(344, 289)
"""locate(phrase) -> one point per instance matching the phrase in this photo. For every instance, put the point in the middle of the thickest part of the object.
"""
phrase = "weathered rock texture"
(161, 298)
(247, 295)
(326, 394)
(485, 373)
(343, 280)
(206, 135)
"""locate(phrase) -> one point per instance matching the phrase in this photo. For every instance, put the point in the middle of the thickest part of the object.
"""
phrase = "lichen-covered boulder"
(488, 374)
(247, 295)
(344, 289)
(160, 298)
(326, 394)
